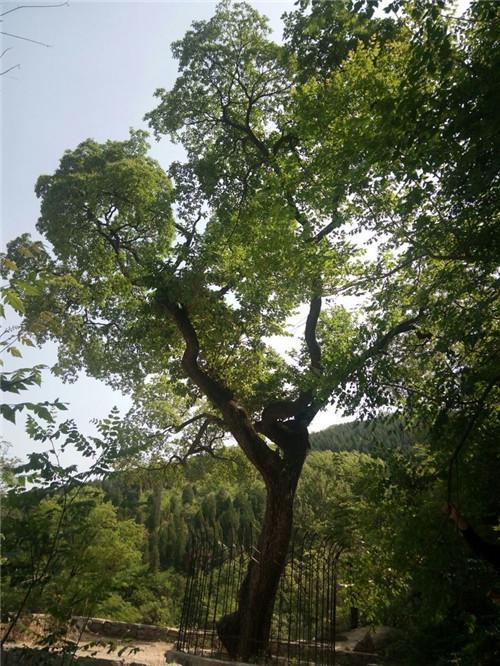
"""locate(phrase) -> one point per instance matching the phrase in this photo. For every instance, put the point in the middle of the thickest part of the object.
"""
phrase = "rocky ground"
(116, 650)
(151, 653)
(354, 648)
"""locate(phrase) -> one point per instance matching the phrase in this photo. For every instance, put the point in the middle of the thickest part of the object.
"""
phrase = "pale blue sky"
(96, 80)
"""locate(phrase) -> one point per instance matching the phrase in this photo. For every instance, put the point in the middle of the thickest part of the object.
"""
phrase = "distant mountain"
(374, 436)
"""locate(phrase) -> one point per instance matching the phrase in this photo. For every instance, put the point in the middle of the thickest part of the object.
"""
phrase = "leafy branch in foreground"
(49, 505)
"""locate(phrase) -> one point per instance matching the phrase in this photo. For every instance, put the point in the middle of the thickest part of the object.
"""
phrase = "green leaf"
(42, 412)
(8, 412)
(28, 288)
(12, 299)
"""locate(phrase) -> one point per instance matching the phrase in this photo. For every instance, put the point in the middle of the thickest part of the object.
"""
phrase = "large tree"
(295, 153)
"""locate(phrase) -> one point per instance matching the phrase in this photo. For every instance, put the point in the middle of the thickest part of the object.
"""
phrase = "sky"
(96, 78)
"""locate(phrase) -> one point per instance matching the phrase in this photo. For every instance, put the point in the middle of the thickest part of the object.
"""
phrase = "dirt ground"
(151, 653)
(127, 651)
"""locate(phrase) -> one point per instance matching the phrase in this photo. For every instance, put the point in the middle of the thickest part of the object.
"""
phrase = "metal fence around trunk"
(304, 619)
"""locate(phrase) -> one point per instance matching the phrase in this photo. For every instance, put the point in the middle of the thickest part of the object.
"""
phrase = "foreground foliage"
(402, 564)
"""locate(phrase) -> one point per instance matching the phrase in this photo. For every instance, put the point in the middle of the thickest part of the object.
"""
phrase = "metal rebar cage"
(304, 619)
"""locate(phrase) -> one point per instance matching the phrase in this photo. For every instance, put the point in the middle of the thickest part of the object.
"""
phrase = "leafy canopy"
(297, 153)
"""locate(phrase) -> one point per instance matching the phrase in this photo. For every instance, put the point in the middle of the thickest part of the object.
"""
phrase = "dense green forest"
(119, 548)
(345, 178)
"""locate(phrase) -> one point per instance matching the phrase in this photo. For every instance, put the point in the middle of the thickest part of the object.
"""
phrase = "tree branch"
(15, 9)
(468, 430)
(377, 347)
(382, 343)
(209, 418)
(235, 417)
(6, 71)
(25, 39)
(326, 229)
(246, 129)
(304, 408)
(281, 410)
(310, 334)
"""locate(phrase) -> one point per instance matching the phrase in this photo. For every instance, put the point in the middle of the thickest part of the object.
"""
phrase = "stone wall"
(115, 629)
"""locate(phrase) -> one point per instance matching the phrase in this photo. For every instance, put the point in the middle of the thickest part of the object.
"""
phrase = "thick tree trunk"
(245, 633)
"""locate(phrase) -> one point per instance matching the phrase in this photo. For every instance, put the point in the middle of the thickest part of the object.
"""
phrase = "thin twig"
(15, 9)
(6, 71)
(25, 39)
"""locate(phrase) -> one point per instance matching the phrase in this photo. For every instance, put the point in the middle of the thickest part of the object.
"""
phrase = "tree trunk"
(245, 633)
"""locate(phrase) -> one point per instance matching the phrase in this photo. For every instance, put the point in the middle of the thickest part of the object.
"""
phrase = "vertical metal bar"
(181, 637)
(300, 602)
(290, 597)
(329, 602)
(202, 591)
(220, 567)
(280, 608)
(210, 565)
(324, 617)
(189, 597)
(305, 617)
(334, 615)
(221, 590)
(198, 596)
(316, 601)
(227, 571)
(229, 581)
(191, 600)
(309, 595)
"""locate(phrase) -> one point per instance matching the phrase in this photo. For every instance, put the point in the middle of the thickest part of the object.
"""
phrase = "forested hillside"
(122, 547)
(375, 436)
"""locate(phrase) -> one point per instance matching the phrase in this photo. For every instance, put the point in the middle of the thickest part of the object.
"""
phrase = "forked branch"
(310, 334)
(234, 416)
(304, 408)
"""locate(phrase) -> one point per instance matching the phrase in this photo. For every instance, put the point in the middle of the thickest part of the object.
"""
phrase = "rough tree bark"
(245, 634)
